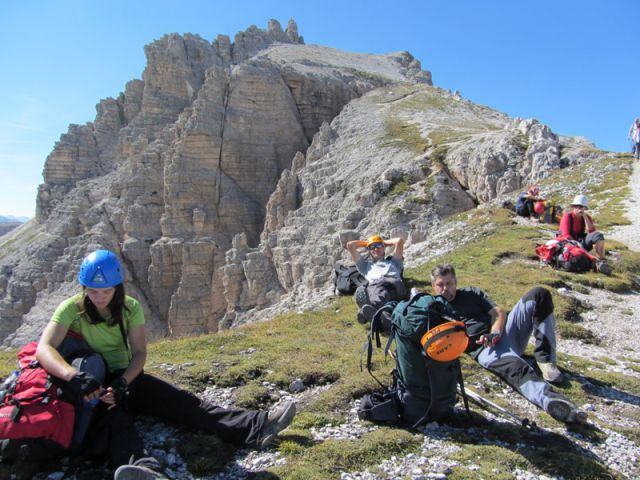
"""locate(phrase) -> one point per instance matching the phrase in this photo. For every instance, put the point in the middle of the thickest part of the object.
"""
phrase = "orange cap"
(374, 239)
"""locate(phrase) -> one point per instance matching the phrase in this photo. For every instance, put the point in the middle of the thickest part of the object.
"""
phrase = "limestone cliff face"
(395, 161)
(177, 166)
(231, 176)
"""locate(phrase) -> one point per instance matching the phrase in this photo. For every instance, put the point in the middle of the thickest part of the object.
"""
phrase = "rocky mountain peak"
(177, 166)
(230, 177)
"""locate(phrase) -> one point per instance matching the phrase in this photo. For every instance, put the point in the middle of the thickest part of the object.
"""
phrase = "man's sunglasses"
(373, 246)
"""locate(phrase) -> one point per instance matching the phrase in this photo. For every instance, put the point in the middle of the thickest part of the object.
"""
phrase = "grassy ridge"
(323, 347)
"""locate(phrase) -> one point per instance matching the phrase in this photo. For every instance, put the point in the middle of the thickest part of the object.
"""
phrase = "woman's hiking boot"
(604, 267)
(565, 411)
(146, 468)
(278, 419)
(550, 372)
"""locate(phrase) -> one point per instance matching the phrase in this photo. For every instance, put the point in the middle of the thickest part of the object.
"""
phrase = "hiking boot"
(278, 419)
(142, 469)
(366, 313)
(604, 267)
(564, 411)
(550, 372)
(361, 296)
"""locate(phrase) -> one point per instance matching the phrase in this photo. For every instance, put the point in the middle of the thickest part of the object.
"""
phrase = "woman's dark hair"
(116, 306)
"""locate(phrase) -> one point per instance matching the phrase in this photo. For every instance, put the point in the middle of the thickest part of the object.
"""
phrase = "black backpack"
(552, 213)
(347, 279)
(424, 389)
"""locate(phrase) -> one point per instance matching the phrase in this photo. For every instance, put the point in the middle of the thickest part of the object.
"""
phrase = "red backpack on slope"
(567, 255)
(30, 407)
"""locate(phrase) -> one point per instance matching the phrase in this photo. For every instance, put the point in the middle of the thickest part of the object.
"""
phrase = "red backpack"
(30, 407)
(567, 255)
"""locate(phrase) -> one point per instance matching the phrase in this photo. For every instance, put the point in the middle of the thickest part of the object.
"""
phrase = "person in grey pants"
(383, 273)
(497, 341)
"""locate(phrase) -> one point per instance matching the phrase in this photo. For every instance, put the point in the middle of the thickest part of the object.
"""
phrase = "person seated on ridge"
(526, 202)
(497, 341)
(577, 224)
(383, 274)
(112, 324)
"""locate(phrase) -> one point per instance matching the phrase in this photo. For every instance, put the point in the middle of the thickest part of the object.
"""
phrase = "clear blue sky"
(571, 64)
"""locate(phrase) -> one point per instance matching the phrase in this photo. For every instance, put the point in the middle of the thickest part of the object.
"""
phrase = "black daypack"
(347, 279)
(425, 389)
(552, 213)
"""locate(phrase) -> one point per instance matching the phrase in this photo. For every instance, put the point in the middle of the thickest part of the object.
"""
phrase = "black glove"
(493, 338)
(81, 384)
(120, 388)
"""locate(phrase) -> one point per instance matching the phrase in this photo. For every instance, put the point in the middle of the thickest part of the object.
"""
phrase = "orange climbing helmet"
(445, 342)
(373, 239)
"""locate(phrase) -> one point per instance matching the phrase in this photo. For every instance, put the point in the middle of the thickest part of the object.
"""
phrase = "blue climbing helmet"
(101, 269)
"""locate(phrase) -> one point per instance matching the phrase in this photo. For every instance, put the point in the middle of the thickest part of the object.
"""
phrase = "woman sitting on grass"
(112, 323)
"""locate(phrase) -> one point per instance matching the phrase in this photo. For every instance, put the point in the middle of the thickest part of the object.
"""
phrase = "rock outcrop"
(231, 176)
(396, 161)
(176, 166)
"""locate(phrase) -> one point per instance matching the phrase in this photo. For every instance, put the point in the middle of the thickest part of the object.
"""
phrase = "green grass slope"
(324, 347)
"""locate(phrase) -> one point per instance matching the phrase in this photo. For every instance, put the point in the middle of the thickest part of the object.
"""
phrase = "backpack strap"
(374, 332)
(124, 338)
(412, 300)
(463, 392)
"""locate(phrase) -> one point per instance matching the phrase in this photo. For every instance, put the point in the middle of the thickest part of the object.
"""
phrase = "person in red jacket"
(577, 224)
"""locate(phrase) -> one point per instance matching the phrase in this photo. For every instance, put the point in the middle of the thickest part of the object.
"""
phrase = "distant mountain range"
(12, 219)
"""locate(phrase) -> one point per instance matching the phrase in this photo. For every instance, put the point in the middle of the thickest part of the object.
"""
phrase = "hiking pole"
(487, 404)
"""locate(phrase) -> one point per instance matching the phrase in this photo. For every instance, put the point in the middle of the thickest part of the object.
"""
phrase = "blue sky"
(571, 64)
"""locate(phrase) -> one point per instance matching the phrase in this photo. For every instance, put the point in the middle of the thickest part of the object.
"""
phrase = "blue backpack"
(521, 206)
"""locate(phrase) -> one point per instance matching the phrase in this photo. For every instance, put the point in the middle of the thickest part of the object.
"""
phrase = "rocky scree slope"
(397, 161)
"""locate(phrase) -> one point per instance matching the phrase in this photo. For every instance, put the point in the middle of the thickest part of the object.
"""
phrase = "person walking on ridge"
(634, 136)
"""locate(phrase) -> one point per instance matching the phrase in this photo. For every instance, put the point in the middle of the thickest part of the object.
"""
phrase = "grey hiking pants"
(591, 239)
(385, 289)
(532, 314)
